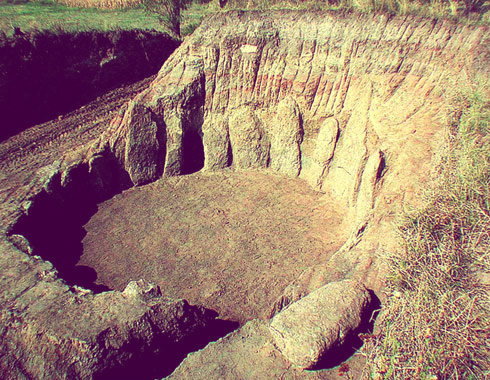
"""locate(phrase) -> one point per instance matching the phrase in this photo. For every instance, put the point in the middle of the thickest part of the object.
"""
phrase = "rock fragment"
(250, 144)
(309, 329)
(286, 142)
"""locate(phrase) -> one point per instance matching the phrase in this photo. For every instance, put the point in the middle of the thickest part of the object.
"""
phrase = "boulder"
(145, 145)
(309, 329)
(216, 142)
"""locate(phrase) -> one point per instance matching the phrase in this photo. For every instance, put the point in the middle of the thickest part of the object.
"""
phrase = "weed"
(168, 13)
(436, 323)
(190, 27)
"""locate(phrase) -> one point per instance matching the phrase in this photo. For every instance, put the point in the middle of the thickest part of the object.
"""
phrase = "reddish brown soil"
(231, 241)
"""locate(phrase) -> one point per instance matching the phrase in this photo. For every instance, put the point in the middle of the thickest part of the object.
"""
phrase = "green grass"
(51, 15)
(436, 323)
(48, 14)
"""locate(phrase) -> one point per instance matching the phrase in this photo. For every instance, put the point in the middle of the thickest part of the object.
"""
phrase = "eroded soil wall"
(46, 74)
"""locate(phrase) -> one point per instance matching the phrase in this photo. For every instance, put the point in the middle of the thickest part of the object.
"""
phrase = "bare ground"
(41, 145)
(230, 241)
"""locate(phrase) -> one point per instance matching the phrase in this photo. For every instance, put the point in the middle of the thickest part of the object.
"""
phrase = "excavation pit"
(229, 241)
(354, 105)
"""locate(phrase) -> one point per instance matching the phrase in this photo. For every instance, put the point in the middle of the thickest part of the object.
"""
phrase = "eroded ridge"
(323, 97)
(354, 105)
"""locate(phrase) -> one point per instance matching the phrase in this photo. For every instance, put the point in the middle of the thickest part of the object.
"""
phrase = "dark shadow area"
(45, 74)
(353, 342)
(164, 356)
(193, 152)
(54, 228)
(53, 224)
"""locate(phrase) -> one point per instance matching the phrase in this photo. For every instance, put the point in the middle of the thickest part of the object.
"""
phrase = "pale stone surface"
(216, 142)
(145, 145)
(246, 354)
(370, 176)
(306, 330)
(323, 152)
(142, 289)
(326, 140)
(249, 143)
(285, 154)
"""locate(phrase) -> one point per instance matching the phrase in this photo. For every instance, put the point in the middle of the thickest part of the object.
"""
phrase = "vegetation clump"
(436, 323)
(168, 13)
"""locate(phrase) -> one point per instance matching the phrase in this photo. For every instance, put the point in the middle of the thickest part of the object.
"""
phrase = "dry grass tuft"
(436, 323)
(427, 8)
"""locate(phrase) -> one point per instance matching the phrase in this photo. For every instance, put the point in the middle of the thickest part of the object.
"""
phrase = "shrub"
(168, 13)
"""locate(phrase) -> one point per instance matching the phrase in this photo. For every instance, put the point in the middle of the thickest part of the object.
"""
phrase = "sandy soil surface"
(231, 241)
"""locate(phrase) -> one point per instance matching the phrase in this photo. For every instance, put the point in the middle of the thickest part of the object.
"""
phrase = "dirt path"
(231, 241)
(41, 145)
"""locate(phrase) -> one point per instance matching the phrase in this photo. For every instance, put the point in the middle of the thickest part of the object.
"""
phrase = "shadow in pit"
(353, 343)
(193, 152)
(53, 226)
(53, 223)
(164, 357)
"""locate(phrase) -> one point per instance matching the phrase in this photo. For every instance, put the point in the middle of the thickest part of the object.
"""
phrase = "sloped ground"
(41, 145)
(46, 74)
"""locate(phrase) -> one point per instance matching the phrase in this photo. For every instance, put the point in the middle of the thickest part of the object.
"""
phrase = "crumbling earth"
(268, 158)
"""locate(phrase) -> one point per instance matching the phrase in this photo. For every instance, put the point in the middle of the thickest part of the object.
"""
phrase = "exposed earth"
(50, 73)
(41, 145)
(267, 159)
(230, 240)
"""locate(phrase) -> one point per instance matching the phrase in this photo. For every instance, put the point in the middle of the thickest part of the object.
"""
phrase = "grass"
(48, 14)
(104, 15)
(436, 323)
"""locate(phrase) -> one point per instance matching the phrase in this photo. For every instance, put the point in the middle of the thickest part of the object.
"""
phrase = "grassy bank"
(436, 324)
(104, 15)
(49, 14)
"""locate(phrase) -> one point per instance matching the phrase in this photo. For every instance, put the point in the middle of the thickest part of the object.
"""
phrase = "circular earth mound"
(230, 241)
